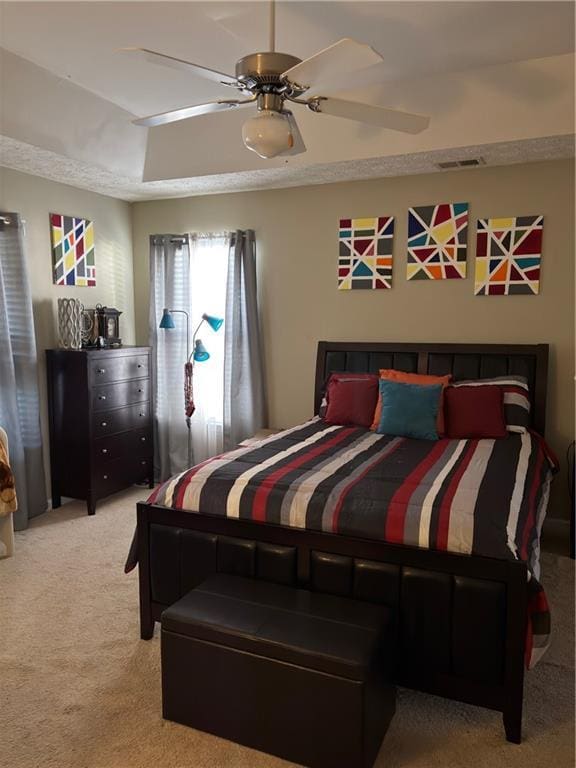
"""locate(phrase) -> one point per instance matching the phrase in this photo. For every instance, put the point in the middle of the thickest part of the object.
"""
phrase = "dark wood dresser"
(100, 413)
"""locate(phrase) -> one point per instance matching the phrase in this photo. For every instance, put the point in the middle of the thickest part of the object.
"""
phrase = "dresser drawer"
(119, 394)
(136, 443)
(120, 420)
(121, 473)
(117, 368)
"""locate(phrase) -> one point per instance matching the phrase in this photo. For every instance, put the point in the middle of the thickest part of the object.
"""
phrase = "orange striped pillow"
(413, 378)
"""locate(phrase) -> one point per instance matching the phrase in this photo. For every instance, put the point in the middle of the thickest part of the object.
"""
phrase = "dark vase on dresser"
(100, 413)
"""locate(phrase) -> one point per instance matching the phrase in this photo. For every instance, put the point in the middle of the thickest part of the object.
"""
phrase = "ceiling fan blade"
(170, 61)
(377, 74)
(193, 111)
(298, 146)
(344, 56)
(372, 114)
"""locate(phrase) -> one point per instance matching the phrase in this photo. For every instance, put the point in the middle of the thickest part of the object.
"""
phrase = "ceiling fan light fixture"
(268, 134)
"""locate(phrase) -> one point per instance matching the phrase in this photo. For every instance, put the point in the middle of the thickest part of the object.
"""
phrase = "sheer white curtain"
(187, 273)
(208, 274)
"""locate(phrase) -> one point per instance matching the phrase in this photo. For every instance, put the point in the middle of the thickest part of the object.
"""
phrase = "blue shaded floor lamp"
(199, 354)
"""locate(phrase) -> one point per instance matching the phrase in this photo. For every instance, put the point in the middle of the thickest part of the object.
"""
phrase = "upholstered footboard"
(460, 621)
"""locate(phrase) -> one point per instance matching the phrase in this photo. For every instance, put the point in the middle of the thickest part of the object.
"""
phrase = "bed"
(462, 615)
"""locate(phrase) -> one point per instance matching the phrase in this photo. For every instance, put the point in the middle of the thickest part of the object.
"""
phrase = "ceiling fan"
(271, 80)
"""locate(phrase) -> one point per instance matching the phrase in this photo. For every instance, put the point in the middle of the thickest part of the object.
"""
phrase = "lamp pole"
(192, 355)
(183, 312)
(188, 432)
(194, 338)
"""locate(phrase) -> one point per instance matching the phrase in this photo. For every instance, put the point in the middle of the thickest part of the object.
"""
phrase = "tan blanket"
(8, 501)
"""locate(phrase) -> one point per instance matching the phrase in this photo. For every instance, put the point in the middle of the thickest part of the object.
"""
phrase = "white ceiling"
(467, 64)
(80, 40)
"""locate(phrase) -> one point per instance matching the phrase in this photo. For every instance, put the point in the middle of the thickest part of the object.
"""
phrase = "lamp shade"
(167, 319)
(268, 134)
(214, 322)
(201, 354)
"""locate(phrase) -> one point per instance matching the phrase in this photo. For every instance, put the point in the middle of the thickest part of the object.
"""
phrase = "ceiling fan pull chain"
(272, 25)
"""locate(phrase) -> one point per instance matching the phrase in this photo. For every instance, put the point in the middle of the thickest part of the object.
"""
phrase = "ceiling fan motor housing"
(260, 72)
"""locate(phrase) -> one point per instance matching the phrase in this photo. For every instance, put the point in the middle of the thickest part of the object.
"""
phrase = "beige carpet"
(79, 689)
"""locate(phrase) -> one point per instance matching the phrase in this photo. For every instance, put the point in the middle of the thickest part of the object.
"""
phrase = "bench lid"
(330, 634)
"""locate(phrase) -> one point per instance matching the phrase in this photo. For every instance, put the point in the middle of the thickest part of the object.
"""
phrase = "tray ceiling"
(446, 59)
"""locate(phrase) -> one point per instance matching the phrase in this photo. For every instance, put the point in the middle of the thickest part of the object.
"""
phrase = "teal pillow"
(409, 410)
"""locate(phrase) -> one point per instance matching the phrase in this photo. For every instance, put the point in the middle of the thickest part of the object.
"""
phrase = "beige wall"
(297, 246)
(34, 198)
(297, 250)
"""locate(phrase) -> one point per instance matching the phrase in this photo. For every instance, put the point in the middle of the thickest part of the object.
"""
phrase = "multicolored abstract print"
(508, 254)
(365, 253)
(72, 250)
(351, 481)
(437, 242)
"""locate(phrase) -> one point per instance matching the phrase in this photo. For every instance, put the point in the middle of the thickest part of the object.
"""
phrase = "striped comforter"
(480, 497)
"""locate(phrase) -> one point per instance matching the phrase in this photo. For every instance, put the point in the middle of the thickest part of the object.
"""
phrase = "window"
(208, 272)
(188, 274)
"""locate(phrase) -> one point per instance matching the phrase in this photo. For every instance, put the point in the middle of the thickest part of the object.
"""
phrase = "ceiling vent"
(469, 163)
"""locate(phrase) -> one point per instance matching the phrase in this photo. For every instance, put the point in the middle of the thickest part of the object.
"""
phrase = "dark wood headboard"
(463, 361)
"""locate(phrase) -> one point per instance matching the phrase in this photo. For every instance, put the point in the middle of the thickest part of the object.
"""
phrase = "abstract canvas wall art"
(508, 254)
(72, 250)
(437, 239)
(365, 253)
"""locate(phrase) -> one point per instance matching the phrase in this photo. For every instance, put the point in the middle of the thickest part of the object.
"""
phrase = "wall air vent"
(468, 163)
(448, 164)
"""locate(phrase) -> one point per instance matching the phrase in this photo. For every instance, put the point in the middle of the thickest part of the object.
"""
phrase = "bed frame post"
(516, 623)
(143, 534)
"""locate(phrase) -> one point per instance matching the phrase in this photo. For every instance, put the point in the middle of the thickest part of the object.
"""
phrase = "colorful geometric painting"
(508, 253)
(437, 237)
(365, 257)
(72, 250)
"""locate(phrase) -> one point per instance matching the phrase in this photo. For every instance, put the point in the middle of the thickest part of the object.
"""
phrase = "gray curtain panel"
(19, 400)
(169, 287)
(245, 408)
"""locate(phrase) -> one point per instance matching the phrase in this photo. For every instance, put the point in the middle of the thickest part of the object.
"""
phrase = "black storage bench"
(298, 674)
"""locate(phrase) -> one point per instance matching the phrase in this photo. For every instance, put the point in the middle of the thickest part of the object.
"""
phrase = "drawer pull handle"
(105, 477)
(143, 439)
(104, 450)
(101, 397)
(141, 414)
(140, 390)
(101, 370)
(103, 423)
(143, 463)
(140, 365)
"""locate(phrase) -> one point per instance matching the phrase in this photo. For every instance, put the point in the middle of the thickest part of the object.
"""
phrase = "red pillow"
(474, 412)
(352, 399)
(348, 376)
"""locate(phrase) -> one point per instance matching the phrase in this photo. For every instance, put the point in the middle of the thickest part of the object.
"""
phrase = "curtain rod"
(186, 238)
(173, 238)
(10, 219)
